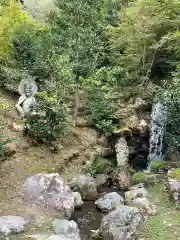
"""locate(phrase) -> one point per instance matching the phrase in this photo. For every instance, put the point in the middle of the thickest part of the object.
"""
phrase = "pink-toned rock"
(49, 190)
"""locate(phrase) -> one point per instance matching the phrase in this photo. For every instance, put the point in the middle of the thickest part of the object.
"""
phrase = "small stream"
(89, 217)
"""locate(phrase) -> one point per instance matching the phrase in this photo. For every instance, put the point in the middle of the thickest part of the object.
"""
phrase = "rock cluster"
(50, 191)
(138, 196)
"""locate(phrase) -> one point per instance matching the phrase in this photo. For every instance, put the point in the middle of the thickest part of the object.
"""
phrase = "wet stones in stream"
(85, 219)
(109, 201)
(89, 217)
(66, 229)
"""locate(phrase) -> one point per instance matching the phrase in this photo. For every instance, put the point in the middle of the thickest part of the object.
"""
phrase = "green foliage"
(101, 165)
(77, 26)
(11, 17)
(162, 225)
(33, 51)
(139, 177)
(170, 98)
(3, 139)
(145, 43)
(49, 121)
(101, 111)
(11, 77)
(158, 166)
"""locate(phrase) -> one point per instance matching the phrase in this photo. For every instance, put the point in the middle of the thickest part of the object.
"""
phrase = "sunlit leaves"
(11, 16)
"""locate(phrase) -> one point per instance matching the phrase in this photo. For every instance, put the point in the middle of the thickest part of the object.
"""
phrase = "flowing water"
(158, 120)
(89, 217)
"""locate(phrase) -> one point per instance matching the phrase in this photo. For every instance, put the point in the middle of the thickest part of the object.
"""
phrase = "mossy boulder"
(146, 177)
(158, 166)
(139, 177)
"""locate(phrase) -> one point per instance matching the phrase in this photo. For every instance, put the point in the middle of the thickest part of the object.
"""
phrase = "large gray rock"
(86, 185)
(109, 201)
(66, 229)
(121, 224)
(122, 153)
(49, 190)
(12, 224)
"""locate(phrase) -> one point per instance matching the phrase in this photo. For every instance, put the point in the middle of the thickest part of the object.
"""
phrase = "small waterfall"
(158, 120)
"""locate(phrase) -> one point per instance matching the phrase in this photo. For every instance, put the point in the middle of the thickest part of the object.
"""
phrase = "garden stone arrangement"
(50, 192)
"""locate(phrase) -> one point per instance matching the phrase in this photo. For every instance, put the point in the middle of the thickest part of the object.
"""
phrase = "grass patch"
(158, 166)
(175, 174)
(166, 224)
(139, 177)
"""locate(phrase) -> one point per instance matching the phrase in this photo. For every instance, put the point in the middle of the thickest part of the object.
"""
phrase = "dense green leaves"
(104, 48)
(101, 110)
(49, 121)
(142, 43)
(170, 98)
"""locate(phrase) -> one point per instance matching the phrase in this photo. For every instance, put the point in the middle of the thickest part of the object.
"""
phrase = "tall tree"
(143, 43)
(78, 26)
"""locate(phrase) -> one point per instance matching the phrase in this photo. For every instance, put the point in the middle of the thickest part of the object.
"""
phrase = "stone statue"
(27, 90)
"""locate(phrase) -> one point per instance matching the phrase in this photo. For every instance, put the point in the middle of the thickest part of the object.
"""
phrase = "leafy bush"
(48, 123)
(11, 17)
(32, 49)
(100, 165)
(101, 111)
(11, 77)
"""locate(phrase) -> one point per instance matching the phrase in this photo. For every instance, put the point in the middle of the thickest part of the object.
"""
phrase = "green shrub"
(158, 166)
(101, 111)
(49, 121)
(101, 165)
(11, 77)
